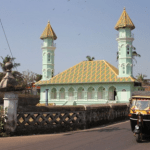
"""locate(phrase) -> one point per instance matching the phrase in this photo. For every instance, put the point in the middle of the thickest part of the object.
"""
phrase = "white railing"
(52, 45)
(123, 36)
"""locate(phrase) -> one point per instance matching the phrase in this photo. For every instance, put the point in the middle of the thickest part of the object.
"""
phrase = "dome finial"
(124, 8)
(124, 21)
(48, 32)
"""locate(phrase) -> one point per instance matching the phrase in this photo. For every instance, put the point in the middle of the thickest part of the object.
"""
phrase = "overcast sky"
(83, 27)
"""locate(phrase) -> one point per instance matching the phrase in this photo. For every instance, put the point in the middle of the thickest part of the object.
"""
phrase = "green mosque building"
(89, 82)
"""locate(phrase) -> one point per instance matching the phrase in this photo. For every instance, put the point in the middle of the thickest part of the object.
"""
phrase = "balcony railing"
(124, 36)
(52, 45)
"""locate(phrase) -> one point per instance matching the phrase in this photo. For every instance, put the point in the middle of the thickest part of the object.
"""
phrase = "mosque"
(89, 82)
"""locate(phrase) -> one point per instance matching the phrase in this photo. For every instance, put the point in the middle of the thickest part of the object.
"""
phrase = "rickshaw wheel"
(139, 138)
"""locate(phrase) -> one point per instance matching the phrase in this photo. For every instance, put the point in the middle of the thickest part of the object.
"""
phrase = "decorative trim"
(48, 64)
(48, 48)
(125, 39)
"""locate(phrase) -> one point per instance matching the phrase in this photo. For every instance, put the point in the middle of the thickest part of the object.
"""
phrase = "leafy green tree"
(19, 78)
(38, 77)
(89, 58)
(140, 77)
(17, 75)
(2, 119)
(8, 59)
(134, 54)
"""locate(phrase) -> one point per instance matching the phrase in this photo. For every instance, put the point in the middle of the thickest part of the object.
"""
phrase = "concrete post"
(46, 92)
(10, 104)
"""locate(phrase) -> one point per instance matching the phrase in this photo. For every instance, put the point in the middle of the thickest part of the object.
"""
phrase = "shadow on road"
(110, 129)
(146, 139)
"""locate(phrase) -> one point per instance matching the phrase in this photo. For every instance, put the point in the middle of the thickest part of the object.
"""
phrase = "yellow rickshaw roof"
(139, 96)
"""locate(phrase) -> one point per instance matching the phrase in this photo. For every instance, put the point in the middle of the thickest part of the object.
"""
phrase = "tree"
(29, 77)
(38, 77)
(8, 59)
(140, 77)
(89, 58)
(17, 75)
(19, 78)
(134, 54)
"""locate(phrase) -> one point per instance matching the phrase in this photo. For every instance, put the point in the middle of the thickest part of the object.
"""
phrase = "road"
(117, 136)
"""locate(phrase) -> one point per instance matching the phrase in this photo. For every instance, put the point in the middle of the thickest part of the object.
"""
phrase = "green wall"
(89, 93)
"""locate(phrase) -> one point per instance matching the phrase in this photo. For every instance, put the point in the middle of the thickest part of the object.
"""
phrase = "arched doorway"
(53, 94)
(71, 93)
(90, 93)
(101, 93)
(112, 93)
(80, 94)
(62, 93)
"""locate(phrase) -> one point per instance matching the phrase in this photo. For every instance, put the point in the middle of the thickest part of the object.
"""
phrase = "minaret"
(125, 39)
(48, 36)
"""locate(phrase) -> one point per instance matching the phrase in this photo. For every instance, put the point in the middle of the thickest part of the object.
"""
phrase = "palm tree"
(140, 77)
(134, 54)
(7, 59)
(89, 58)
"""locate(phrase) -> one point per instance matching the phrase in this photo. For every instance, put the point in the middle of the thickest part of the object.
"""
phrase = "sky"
(83, 27)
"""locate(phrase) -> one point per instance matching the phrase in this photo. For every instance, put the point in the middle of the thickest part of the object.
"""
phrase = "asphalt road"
(112, 137)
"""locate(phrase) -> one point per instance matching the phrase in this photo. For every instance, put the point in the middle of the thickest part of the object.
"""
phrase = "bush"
(2, 118)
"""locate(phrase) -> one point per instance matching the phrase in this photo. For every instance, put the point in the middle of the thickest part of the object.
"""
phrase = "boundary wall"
(51, 119)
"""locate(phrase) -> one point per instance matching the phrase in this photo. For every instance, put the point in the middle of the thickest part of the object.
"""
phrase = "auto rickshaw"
(140, 116)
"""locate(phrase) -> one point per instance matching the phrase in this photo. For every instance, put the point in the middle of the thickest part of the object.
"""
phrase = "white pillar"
(57, 95)
(75, 95)
(85, 95)
(66, 95)
(95, 94)
(10, 104)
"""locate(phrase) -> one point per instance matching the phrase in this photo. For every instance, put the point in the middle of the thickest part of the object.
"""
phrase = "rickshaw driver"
(140, 105)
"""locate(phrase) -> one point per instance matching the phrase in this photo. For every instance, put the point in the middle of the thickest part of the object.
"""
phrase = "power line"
(7, 42)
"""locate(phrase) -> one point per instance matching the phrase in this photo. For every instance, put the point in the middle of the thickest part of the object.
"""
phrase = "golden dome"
(124, 21)
(48, 32)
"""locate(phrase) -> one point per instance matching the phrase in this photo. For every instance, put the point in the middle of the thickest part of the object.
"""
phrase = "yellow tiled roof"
(124, 21)
(88, 72)
(48, 32)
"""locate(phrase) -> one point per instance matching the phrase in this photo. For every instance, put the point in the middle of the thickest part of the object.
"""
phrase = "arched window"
(52, 73)
(128, 49)
(80, 94)
(49, 56)
(128, 69)
(123, 69)
(44, 73)
(53, 94)
(100, 93)
(90, 93)
(62, 93)
(71, 92)
(112, 93)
